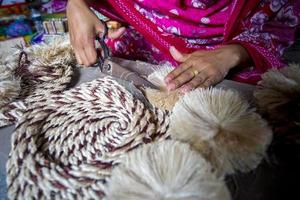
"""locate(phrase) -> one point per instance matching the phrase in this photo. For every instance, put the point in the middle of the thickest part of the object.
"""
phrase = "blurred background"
(26, 22)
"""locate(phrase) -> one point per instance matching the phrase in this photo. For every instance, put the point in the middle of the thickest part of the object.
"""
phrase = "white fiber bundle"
(167, 170)
(58, 52)
(222, 127)
(278, 93)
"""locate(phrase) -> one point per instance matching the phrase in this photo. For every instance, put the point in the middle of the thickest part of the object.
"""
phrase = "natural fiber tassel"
(167, 170)
(161, 98)
(59, 52)
(220, 125)
(278, 94)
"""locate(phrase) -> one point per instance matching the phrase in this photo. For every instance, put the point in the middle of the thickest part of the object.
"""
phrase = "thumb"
(99, 27)
(115, 33)
(177, 55)
(112, 33)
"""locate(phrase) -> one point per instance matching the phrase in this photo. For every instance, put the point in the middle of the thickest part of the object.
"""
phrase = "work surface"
(263, 183)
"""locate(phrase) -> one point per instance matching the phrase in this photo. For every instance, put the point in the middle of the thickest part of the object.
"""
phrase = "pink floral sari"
(264, 27)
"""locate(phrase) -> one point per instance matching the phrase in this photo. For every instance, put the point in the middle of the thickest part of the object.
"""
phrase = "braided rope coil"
(65, 146)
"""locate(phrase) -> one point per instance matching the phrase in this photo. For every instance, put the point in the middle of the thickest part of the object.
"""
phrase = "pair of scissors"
(105, 50)
(105, 64)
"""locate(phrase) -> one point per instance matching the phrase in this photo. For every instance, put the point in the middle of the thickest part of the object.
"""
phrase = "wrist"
(238, 54)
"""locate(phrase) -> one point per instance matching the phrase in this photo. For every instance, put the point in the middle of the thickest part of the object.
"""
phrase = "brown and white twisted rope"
(66, 145)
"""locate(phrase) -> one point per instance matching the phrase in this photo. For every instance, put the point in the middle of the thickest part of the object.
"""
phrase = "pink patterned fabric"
(264, 27)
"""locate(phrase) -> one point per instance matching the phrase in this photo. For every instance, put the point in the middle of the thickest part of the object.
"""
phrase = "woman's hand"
(204, 68)
(83, 28)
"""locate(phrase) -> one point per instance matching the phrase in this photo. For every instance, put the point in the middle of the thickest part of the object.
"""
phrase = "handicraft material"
(33, 72)
(99, 141)
(278, 98)
(166, 170)
(161, 97)
(65, 146)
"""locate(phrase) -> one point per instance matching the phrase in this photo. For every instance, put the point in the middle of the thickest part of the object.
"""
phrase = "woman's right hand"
(83, 27)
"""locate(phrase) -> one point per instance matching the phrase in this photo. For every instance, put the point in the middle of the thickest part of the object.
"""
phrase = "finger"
(78, 50)
(79, 61)
(99, 27)
(91, 54)
(82, 56)
(208, 82)
(176, 72)
(194, 83)
(183, 78)
(177, 55)
(79, 54)
(113, 34)
(73, 41)
(214, 77)
(87, 51)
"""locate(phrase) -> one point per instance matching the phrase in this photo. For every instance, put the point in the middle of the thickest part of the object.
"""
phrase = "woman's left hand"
(204, 68)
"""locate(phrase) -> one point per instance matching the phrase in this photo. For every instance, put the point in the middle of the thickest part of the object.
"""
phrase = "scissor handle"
(104, 47)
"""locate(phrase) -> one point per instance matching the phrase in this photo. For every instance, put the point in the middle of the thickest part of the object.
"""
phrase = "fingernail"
(121, 29)
(184, 89)
(171, 86)
(173, 50)
(167, 79)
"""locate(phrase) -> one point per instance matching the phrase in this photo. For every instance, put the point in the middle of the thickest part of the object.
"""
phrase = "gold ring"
(195, 72)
